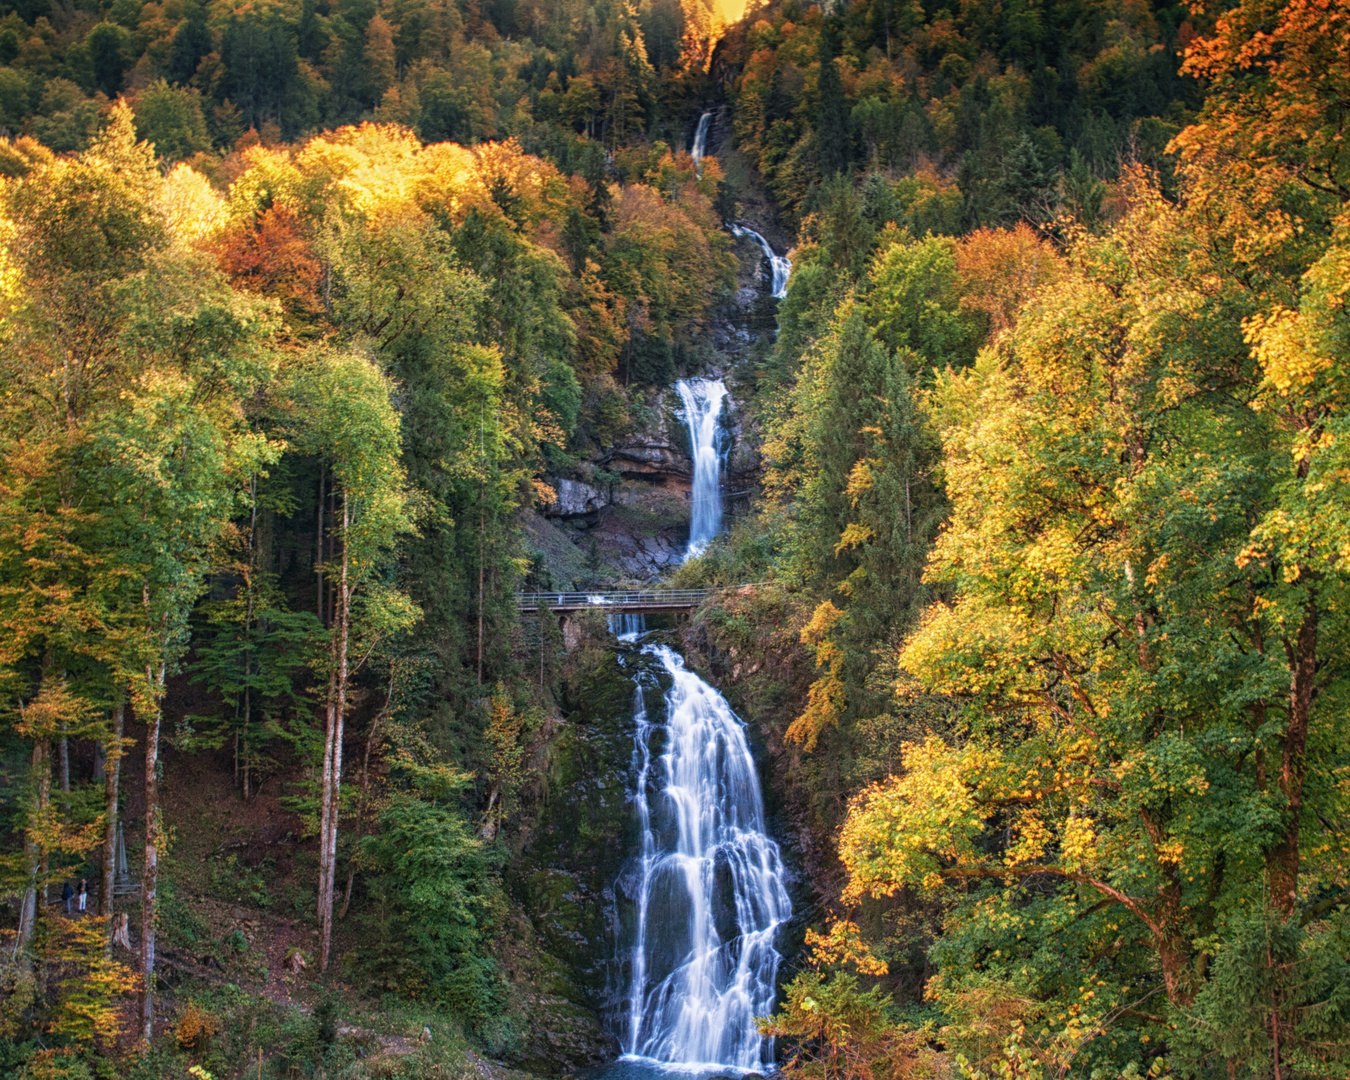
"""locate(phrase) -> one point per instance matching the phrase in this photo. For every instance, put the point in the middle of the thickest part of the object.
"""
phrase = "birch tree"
(346, 418)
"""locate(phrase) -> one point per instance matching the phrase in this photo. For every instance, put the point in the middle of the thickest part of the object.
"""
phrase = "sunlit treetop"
(376, 171)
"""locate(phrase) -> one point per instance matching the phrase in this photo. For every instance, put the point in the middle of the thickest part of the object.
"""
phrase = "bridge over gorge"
(638, 602)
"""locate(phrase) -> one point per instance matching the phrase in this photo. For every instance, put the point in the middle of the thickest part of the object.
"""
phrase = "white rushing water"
(709, 889)
(712, 896)
(700, 148)
(781, 264)
(628, 627)
(703, 400)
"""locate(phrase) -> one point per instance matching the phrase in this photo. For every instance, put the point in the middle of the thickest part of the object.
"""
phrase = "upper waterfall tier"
(700, 147)
(781, 264)
(703, 400)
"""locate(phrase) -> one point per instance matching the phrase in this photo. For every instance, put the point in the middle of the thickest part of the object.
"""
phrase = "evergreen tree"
(191, 41)
(1026, 184)
(833, 126)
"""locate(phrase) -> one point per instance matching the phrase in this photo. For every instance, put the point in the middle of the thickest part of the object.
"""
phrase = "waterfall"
(700, 147)
(703, 399)
(709, 885)
(628, 627)
(711, 896)
(781, 264)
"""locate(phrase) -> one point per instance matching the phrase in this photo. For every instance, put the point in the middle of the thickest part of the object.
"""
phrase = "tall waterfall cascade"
(780, 264)
(700, 148)
(712, 896)
(709, 886)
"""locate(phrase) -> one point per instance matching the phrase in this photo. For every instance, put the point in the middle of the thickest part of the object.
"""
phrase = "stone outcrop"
(576, 498)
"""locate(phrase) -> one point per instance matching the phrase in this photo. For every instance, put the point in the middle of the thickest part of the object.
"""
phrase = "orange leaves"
(1279, 75)
(844, 945)
(55, 710)
(1000, 270)
(273, 256)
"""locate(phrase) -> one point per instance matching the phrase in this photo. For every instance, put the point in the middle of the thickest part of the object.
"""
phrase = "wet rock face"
(563, 878)
(658, 453)
(635, 529)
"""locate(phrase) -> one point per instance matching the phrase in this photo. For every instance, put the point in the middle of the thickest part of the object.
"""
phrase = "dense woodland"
(305, 309)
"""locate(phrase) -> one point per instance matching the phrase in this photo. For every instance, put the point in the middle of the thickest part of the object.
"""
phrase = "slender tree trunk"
(326, 783)
(1282, 863)
(28, 909)
(318, 547)
(112, 771)
(151, 871)
(63, 758)
(481, 530)
(248, 628)
(332, 553)
(44, 804)
(343, 614)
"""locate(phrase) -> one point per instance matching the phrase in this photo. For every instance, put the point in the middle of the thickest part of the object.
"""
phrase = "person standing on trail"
(84, 892)
(66, 893)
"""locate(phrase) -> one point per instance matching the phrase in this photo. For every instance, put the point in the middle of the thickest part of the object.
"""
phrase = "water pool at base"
(630, 1068)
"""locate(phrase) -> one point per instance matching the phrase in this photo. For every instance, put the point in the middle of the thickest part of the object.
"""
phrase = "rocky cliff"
(626, 511)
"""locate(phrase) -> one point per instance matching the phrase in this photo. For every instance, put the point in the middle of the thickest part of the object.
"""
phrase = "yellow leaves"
(844, 945)
(1034, 837)
(822, 621)
(1171, 852)
(1289, 358)
(89, 1007)
(1078, 843)
(378, 172)
(54, 710)
(914, 829)
(825, 704)
(191, 206)
(10, 273)
(270, 178)
(373, 167)
(860, 481)
(854, 535)
(827, 698)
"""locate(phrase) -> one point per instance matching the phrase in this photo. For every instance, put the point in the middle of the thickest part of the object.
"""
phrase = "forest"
(332, 330)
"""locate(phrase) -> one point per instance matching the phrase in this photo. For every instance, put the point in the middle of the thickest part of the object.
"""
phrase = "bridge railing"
(637, 598)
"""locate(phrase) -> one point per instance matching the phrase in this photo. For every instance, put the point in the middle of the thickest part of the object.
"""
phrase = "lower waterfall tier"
(709, 888)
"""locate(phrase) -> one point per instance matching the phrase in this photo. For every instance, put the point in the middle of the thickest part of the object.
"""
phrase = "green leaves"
(1145, 738)
(434, 892)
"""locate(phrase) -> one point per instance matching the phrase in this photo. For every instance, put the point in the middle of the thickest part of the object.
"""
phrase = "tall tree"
(347, 419)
